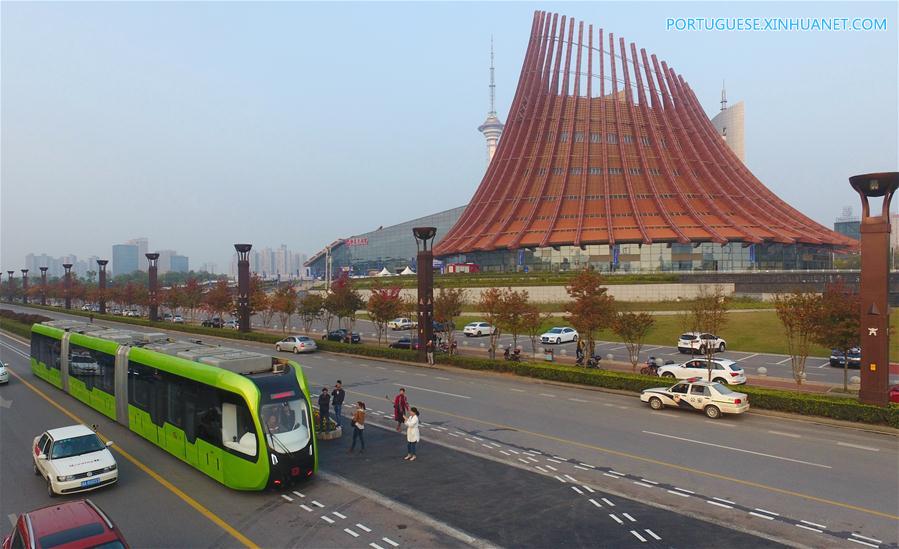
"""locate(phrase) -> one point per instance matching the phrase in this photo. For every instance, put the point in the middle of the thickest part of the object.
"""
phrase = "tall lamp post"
(9, 287)
(44, 285)
(68, 284)
(102, 285)
(243, 286)
(874, 285)
(25, 286)
(153, 292)
(424, 242)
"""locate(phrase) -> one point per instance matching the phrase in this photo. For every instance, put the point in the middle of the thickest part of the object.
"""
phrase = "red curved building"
(607, 158)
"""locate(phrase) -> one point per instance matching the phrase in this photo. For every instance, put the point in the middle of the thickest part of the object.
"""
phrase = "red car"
(894, 393)
(75, 524)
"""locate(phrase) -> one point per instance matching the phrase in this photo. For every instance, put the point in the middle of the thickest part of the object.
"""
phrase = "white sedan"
(723, 370)
(296, 344)
(4, 373)
(401, 324)
(477, 329)
(73, 459)
(702, 396)
(559, 335)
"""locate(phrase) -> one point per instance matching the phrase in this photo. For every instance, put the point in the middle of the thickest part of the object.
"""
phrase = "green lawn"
(669, 305)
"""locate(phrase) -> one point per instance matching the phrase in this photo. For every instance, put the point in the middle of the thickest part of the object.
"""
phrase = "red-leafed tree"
(384, 304)
(218, 299)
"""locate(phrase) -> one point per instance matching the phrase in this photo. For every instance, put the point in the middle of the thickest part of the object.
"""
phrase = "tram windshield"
(286, 420)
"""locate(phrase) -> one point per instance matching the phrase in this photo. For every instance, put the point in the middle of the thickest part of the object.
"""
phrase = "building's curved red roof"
(604, 144)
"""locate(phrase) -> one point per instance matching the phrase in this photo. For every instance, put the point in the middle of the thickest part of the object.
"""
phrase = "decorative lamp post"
(25, 286)
(43, 285)
(102, 285)
(68, 284)
(873, 286)
(424, 242)
(10, 289)
(153, 292)
(243, 286)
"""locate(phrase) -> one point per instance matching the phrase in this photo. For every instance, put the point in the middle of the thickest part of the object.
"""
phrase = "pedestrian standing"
(412, 434)
(337, 396)
(429, 348)
(580, 351)
(400, 407)
(358, 423)
(324, 410)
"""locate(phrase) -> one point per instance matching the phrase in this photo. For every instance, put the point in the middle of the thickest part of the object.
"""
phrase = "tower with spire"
(492, 128)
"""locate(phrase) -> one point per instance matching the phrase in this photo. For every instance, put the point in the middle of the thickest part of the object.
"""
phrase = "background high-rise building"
(273, 264)
(143, 246)
(848, 224)
(125, 259)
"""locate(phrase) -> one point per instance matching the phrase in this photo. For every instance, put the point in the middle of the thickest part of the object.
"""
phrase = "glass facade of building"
(125, 259)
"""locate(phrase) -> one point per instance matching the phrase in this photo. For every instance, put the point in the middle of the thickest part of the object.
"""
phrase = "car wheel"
(574, 339)
(655, 403)
(713, 412)
(50, 491)
(668, 374)
(558, 340)
(720, 380)
(721, 348)
(479, 333)
(278, 348)
(296, 350)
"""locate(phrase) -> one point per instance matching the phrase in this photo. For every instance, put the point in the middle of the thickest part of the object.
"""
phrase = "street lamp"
(68, 284)
(424, 241)
(243, 286)
(10, 290)
(874, 285)
(102, 285)
(152, 289)
(25, 286)
(43, 285)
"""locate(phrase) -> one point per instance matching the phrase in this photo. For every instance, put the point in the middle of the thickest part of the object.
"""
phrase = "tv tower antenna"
(492, 128)
(723, 97)
(492, 80)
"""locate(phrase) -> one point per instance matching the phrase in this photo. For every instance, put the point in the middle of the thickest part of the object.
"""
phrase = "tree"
(514, 307)
(310, 309)
(591, 308)
(633, 328)
(172, 298)
(384, 304)
(266, 309)
(839, 322)
(218, 299)
(284, 303)
(343, 301)
(799, 313)
(532, 323)
(447, 308)
(709, 315)
(491, 305)
(193, 296)
(258, 297)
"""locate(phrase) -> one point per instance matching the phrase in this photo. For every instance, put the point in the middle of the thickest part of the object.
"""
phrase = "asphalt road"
(795, 480)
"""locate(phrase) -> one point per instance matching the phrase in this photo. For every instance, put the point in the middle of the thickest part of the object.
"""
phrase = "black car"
(214, 322)
(343, 335)
(441, 327)
(405, 343)
(855, 358)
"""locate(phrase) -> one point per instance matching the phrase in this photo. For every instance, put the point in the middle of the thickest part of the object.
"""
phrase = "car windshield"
(83, 359)
(303, 338)
(286, 421)
(75, 446)
(722, 390)
(556, 331)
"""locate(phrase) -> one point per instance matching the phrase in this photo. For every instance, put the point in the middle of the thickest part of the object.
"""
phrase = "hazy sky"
(199, 125)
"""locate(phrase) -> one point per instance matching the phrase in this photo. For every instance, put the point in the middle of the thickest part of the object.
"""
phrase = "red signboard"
(356, 241)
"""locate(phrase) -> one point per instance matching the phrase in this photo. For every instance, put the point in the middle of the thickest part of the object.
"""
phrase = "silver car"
(297, 344)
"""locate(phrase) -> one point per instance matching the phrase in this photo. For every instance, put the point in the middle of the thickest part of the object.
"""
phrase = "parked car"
(86, 307)
(694, 394)
(83, 364)
(343, 335)
(233, 324)
(178, 319)
(405, 343)
(167, 317)
(894, 393)
(559, 335)
(297, 344)
(401, 323)
(441, 327)
(855, 358)
(723, 371)
(79, 523)
(73, 459)
(699, 342)
(4, 373)
(477, 329)
(214, 322)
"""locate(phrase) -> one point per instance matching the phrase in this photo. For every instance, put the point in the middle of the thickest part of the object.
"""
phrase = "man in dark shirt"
(337, 396)
(324, 409)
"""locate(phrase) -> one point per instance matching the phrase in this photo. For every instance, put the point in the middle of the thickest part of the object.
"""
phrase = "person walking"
(429, 348)
(337, 396)
(324, 410)
(358, 423)
(400, 407)
(412, 434)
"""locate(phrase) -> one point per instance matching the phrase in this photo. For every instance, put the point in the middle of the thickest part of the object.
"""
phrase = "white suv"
(699, 342)
(723, 371)
(73, 459)
(478, 329)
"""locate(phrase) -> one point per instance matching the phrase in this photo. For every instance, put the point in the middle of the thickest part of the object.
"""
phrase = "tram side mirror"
(108, 443)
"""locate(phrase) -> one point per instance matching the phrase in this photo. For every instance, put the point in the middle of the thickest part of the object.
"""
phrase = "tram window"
(140, 386)
(175, 411)
(238, 430)
(208, 415)
(47, 350)
(92, 367)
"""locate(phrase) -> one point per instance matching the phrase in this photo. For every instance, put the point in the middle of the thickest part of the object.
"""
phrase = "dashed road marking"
(676, 493)
(443, 378)
(860, 542)
(721, 499)
(338, 515)
(553, 460)
(649, 481)
(616, 519)
(719, 504)
(350, 532)
(363, 527)
(305, 507)
(638, 483)
(516, 452)
(587, 488)
(560, 479)
(517, 390)
(596, 503)
(691, 492)
(607, 502)
(571, 478)
(739, 450)
(551, 468)
(327, 519)
(611, 476)
(532, 459)
(541, 469)
(317, 504)
(374, 545)
(505, 453)
(808, 528)
(299, 494)
(628, 517)
(767, 517)
(524, 461)
(821, 526)
(547, 395)
(781, 433)
(578, 400)
(865, 538)
(765, 511)
(858, 446)
(391, 542)
(638, 536)
(487, 446)
(495, 444)
(285, 496)
(653, 534)
(581, 468)
(587, 465)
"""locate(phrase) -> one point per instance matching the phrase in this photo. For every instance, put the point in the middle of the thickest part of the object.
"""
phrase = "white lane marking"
(439, 428)
(431, 390)
(470, 439)
(374, 545)
(551, 468)
(317, 504)
(285, 496)
(719, 504)
(391, 542)
(350, 532)
(638, 483)
(784, 361)
(327, 519)
(541, 469)
(739, 450)
(363, 527)
(559, 458)
(547, 395)
(638, 536)
(560, 479)
(518, 390)
(338, 515)
(862, 542)
(380, 367)
(442, 378)
(808, 528)
(596, 503)
(479, 439)
(628, 517)
(690, 492)
(607, 404)
(532, 459)
(578, 490)
(848, 445)
(753, 513)
(769, 512)
(305, 507)
(578, 400)
(571, 478)
(581, 468)
(400, 371)
(681, 494)
(524, 461)
(487, 446)
(781, 433)
(649, 481)
(505, 453)
(422, 375)
(588, 465)
(720, 499)
(611, 476)
(616, 519)
(653, 534)
(553, 460)
(745, 357)
(865, 538)
(821, 526)
(453, 434)
(495, 444)
(607, 502)
(587, 488)
(299, 494)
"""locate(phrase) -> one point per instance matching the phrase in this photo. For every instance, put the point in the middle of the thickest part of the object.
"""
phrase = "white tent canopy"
(407, 271)
(384, 272)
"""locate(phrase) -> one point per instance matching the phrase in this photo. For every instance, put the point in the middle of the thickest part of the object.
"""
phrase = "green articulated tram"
(243, 418)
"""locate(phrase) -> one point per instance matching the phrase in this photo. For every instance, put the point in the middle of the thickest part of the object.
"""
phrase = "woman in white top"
(412, 435)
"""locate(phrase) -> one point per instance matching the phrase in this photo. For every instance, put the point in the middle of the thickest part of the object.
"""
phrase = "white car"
(702, 396)
(401, 324)
(723, 371)
(477, 329)
(297, 344)
(699, 342)
(4, 373)
(83, 364)
(559, 335)
(73, 459)
(178, 319)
